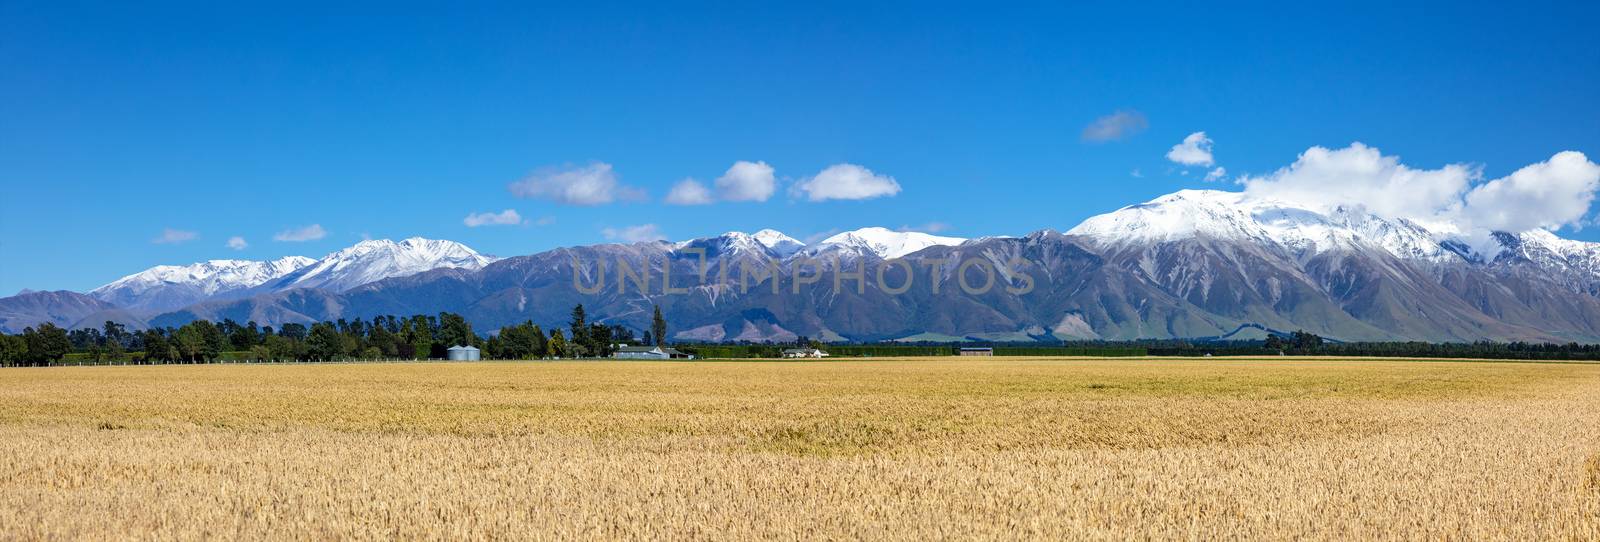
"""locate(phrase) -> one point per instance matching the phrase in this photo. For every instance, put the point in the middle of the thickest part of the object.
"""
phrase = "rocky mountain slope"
(1193, 264)
(167, 287)
(62, 308)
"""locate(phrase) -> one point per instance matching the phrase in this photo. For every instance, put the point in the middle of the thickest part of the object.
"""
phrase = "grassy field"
(897, 449)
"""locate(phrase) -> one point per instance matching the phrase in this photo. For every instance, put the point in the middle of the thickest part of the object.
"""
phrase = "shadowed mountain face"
(169, 287)
(62, 308)
(1189, 265)
(1046, 286)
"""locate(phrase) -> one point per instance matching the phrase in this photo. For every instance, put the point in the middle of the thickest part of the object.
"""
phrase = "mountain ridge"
(1187, 264)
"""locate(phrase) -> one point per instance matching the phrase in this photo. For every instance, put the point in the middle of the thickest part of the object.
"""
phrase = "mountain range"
(1192, 264)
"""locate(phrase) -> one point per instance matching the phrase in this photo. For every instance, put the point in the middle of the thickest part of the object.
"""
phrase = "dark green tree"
(293, 331)
(557, 347)
(325, 342)
(600, 343)
(1305, 341)
(13, 350)
(48, 344)
(156, 346)
(658, 327)
(521, 341)
(578, 327)
(245, 336)
(454, 330)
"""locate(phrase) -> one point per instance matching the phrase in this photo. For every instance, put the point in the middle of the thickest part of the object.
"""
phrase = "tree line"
(382, 337)
(429, 336)
(582, 338)
(1304, 343)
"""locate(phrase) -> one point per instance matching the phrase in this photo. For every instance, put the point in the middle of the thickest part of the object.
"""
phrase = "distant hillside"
(1193, 264)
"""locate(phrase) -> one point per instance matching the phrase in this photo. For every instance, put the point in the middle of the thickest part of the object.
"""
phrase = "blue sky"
(121, 121)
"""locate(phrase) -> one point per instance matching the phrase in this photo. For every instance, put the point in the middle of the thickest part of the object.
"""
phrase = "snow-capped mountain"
(378, 259)
(1303, 230)
(167, 287)
(736, 244)
(1307, 230)
(62, 308)
(1546, 250)
(780, 244)
(882, 242)
(1192, 264)
(1277, 263)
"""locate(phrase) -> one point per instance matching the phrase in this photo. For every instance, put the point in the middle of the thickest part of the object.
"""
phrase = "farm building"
(463, 353)
(804, 353)
(649, 352)
(975, 351)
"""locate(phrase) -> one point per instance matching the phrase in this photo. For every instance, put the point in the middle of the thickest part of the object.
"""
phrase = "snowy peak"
(172, 286)
(764, 243)
(885, 243)
(168, 287)
(378, 259)
(1179, 215)
(1300, 229)
(1544, 249)
(210, 277)
(778, 243)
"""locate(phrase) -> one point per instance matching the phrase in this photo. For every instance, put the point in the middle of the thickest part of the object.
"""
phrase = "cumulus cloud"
(593, 184)
(747, 181)
(1359, 175)
(1216, 174)
(171, 236)
(502, 218)
(1194, 151)
(1115, 126)
(1549, 194)
(688, 192)
(634, 234)
(237, 243)
(296, 235)
(846, 181)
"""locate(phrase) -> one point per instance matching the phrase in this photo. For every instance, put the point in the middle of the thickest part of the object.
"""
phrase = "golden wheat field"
(885, 449)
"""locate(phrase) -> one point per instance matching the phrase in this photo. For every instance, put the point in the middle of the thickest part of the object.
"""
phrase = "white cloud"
(634, 234)
(847, 181)
(1359, 175)
(688, 192)
(502, 218)
(1550, 194)
(237, 243)
(1216, 174)
(1136, 174)
(545, 221)
(1194, 151)
(171, 236)
(931, 227)
(1115, 126)
(747, 181)
(594, 184)
(295, 235)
